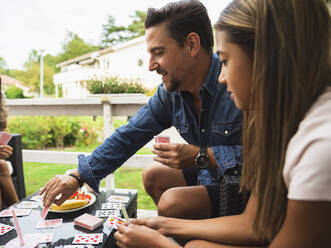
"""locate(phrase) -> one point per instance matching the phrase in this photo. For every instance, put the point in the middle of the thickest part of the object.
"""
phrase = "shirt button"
(178, 130)
(202, 130)
(202, 110)
(226, 131)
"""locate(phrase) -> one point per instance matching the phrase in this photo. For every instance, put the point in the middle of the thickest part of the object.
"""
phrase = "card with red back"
(49, 223)
(44, 213)
(114, 221)
(4, 138)
(5, 228)
(162, 139)
(43, 237)
(88, 238)
(88, 221)
(18, 212)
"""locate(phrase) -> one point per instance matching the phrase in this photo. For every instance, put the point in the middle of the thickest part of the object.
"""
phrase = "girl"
(276, 62)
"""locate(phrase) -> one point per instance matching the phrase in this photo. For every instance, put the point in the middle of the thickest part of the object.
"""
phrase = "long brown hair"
(289, 43)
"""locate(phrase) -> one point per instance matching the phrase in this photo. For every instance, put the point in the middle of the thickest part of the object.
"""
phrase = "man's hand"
(60, 184)
(157, 223)
(134, 236)
(177, 156)
(5, 151)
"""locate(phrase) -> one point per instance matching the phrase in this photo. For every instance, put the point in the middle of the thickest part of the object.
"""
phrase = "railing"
(107, 106)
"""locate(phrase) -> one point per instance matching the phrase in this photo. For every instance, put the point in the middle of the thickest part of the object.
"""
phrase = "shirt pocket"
(226, 129)
(181, 128)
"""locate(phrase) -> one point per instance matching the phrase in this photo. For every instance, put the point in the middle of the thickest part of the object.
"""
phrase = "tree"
(137, 27)
(74, 46)
(3, 66)
(113, 34)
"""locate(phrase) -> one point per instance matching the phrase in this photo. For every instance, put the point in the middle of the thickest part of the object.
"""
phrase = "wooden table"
(65, 234)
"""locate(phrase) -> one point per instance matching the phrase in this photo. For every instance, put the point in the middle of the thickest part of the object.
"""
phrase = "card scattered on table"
(49, 223)
(88, 221)
(118, 198)
(28, 204)
(88, 238)
(37, 198)
(111, 205)
(43, 237)
(78, 246)
(18, 212)
(162, 139)
(4, 138)
(114, 221)
(5, 228)
(107, 213)
(44, 213)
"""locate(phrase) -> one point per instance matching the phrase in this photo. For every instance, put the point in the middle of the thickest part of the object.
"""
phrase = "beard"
(174, 82)
(174, 85)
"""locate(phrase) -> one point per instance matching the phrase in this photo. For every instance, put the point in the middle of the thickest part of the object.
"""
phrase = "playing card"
(18, 212)
(107, 213)
(114, 221)
(111, 205)
(44, 213)
(4, 138)
(5, 228)
(118, 198)
(162, 139)
(77, 246)
(43, 237)
(49, 223)
(88, 238)
(28, 204)
(37, 198)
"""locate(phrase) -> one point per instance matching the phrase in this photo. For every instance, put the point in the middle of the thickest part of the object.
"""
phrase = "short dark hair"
(183, 17)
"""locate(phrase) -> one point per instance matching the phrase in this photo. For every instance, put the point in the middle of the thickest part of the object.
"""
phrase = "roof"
(91, 56)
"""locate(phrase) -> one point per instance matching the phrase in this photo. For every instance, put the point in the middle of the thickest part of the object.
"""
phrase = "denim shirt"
(220, 129)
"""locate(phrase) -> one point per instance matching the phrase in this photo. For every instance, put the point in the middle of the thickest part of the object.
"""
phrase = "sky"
(43, 24)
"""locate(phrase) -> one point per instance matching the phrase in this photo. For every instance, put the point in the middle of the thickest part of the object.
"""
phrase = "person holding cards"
(184, 181)
(7, 190)
(276, 58)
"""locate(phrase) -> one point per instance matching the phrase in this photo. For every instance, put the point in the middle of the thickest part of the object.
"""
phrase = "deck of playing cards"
(88, 221)
(162, 139)
(88, 238)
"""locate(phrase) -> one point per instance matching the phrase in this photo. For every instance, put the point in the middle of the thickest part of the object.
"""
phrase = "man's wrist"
(77, 177)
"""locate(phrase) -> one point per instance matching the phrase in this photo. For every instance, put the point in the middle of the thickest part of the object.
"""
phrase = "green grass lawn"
(37, 174)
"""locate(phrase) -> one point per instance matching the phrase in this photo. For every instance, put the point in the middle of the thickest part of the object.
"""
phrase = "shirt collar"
(212, 77)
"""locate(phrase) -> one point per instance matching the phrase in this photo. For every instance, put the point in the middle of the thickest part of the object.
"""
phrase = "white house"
(128, 60)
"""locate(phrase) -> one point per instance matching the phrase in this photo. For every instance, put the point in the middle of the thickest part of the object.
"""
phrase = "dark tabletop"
(65, 234)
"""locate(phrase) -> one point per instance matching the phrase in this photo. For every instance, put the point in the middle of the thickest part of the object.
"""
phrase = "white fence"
(107, 106)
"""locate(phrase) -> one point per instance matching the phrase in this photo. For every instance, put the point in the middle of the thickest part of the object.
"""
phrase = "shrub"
(14, 92)
(115, 85)
(40, 132)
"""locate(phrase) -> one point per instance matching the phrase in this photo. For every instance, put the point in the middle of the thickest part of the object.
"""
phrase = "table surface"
(65, 234)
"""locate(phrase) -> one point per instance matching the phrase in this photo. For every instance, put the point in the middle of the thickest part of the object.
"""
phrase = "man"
(180, 42)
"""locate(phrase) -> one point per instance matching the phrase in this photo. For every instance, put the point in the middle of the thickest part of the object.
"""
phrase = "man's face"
(167, 58)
